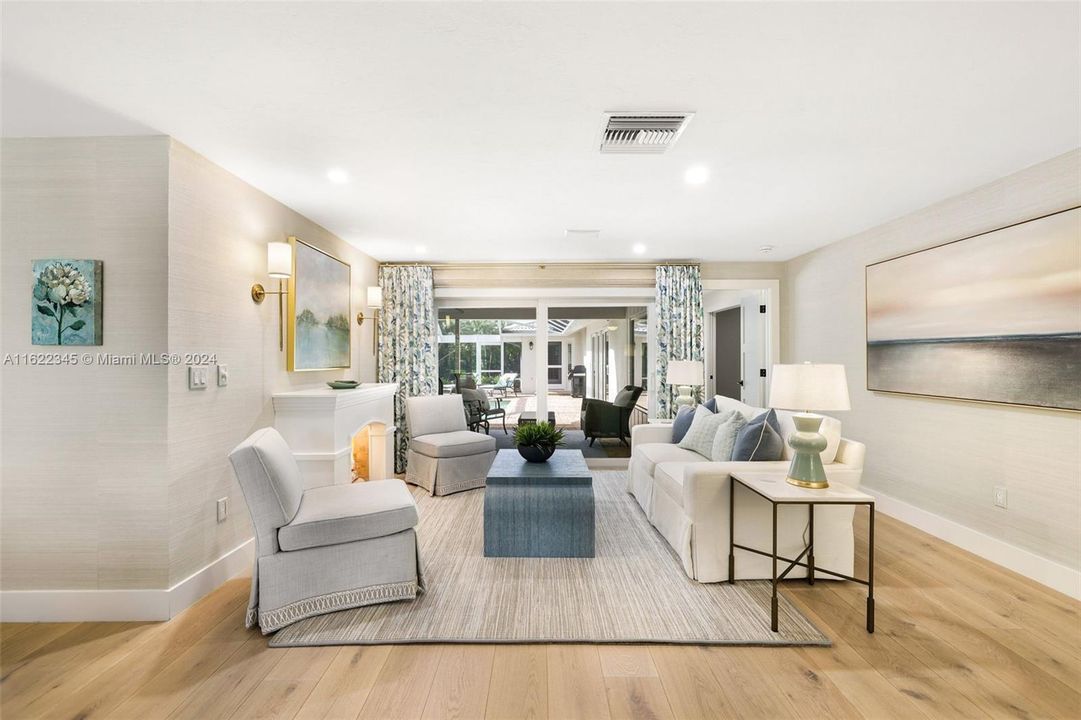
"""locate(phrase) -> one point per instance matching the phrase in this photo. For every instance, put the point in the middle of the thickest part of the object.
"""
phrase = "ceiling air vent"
(642, 132)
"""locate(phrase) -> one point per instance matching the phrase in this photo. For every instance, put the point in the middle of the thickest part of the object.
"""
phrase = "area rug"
(633, 591)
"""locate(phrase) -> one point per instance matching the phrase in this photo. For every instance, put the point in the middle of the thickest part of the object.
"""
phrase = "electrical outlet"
(223, 509)
(223, 375)
(1000, 497)
(197, 377)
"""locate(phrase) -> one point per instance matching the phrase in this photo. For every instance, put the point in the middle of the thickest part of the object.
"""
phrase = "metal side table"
(773, 487)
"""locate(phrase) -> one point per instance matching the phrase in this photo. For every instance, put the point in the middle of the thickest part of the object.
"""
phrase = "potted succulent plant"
(538, 441)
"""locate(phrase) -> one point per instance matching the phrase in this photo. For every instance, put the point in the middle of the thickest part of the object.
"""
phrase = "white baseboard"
(123, 605)
(1044, 571)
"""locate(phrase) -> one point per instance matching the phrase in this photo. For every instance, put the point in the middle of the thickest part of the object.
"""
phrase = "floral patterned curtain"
(407, 353)
(679, 326)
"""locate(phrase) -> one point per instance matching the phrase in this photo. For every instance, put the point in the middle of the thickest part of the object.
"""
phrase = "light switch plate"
(197, 377)
(223, 375)
(223, 509)
(1000, 497)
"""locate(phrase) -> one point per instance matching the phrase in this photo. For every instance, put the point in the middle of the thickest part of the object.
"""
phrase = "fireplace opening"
(362, 454)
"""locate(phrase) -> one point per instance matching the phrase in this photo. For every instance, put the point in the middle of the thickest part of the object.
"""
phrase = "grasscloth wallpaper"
(940, 455)
(111, 474)
(83, 447)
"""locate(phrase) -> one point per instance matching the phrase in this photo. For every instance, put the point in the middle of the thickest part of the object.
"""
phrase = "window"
(491, 363)
(481, 327)
(555, 363)
(469, 358)
(448, 361)
(555, 353)
(512, 357)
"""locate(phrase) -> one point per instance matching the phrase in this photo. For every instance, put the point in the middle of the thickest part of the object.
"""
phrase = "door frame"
(772, 289)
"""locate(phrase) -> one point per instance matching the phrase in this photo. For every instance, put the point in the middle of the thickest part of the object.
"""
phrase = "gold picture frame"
(321, 339)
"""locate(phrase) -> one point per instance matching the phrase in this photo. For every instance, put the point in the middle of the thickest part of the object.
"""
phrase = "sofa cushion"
(668, 478)
(653, 453)
(338, 514)
(725, 404)
(703, 429)
(430, 414)
(459, 443)
(760, 440)
(831, 430)
(682, 423)
(725, 438)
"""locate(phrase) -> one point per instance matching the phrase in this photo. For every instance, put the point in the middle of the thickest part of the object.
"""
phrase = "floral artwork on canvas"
(67, 302)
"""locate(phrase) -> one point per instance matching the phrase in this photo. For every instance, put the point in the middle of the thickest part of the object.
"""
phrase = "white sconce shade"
(809, 387)
(279, 260)
(375, 296)
(685, 372)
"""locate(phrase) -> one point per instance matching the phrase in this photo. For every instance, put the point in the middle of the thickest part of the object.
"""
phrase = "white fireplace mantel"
(319, 424)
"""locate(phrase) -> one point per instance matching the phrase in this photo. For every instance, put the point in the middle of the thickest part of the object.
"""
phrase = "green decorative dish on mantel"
(343, 384)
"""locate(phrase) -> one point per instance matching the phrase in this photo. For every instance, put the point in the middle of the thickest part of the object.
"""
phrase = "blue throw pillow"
(760, 439)
(682, 423)
(711, 404)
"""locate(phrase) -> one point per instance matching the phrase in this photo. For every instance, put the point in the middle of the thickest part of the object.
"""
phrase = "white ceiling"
(470, 129)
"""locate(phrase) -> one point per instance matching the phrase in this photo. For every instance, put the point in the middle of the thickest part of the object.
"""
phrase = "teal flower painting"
(67, 302)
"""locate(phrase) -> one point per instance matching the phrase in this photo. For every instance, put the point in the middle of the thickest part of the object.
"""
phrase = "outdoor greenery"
(539, 434)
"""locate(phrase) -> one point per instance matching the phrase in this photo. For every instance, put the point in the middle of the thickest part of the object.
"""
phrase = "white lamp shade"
(375, 296)
(809, 386)
(685, 372)
(279, 260)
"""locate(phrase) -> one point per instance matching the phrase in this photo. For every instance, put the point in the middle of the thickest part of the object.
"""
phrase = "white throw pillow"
(725, 438)
(703, 430)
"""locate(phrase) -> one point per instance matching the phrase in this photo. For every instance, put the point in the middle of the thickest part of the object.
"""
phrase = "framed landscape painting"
(66, 306)
(995, 317)
(319, 292)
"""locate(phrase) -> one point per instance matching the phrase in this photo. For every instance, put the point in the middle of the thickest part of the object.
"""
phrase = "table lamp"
(804, 388)
(683, 374)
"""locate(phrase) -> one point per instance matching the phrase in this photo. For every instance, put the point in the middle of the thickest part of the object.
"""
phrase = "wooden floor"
(956, 637)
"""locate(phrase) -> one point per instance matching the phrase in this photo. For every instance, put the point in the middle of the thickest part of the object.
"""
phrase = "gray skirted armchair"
(603, 419)
(323, 549)
(444, 455)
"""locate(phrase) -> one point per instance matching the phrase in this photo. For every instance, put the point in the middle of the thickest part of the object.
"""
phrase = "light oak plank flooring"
(956, 637)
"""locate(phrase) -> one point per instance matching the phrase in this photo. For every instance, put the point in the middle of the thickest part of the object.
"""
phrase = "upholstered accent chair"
(602, 419)
(444, 455)
(323, 549)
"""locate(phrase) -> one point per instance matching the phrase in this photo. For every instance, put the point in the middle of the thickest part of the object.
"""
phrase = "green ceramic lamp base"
(807, 444)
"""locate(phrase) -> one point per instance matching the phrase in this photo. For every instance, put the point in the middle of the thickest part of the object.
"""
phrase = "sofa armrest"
(651, 433)
(705, 486)
(850, 452)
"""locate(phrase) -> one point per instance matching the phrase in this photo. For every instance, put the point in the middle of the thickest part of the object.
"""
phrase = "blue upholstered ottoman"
(539, 509)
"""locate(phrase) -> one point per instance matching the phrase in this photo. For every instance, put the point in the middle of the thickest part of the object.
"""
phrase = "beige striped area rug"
(634, 590)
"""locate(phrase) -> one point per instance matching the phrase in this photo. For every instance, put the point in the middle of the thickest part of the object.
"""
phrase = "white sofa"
(685, 496)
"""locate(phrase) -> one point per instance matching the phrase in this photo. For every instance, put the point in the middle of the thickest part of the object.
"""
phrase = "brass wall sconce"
(375, 304)
(279, 263)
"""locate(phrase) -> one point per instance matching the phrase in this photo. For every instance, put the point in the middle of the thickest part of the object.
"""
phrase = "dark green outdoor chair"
(603, 419)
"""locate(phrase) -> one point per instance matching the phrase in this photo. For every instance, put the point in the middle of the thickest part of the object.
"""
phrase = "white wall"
(111, 474)
(945, 456)
(218, 230)
(84, 488)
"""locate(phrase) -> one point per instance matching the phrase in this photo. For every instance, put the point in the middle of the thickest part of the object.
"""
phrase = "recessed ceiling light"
(766, 249)
(638, 249)
(696, 175)
(337, 176)
(421, 249)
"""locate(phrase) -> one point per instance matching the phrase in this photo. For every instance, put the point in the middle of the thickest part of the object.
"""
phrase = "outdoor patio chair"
(602, 419)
